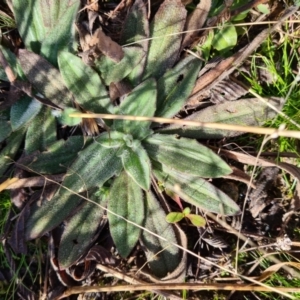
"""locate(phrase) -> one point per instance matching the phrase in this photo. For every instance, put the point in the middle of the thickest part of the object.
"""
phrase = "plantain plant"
(116, 168)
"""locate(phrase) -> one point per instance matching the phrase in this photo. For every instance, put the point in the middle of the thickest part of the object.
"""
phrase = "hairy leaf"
(58, 18)
(41, 132)
(29, 22)
(93, 167)
(13, 63)
(80, 231)
(140, 102)
(245, 112)
(162, 256)
(58, 156)
(174, 87)
(24, 111)
(45, 78)
(196, 191)
(5, 125)
(112, 139)
(125, 200)
(84, 83)
(185, 155)
(46, 26)
(115, 72)
(136, 30)
(64, 118)
(137, 165)
(9, 151)
(165, 43)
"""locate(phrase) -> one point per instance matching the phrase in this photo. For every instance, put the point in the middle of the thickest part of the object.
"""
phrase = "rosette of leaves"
(114, 170)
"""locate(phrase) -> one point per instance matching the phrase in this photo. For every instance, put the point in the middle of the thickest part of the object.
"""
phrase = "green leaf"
(186, 211)
(29, 23)
(225, 38)
(41, 132)
(84, 83)
(115, 72)
(23, 111)
(125, 200)
(165, 43)
(196, 220)
(140, 102)
(8, 153)
(263, 8)
(162, 257)
(136, 30)
(185, 155)
(46, 27)
(112, 139)
(196, 191)
(93, 167)
(64, 118)
(13, 63)
(245, 112)
(174, 87)
(45, 78)
(5, 125)
(137, 165)
(58, 156)
(174, 217)
(136, 26)
(80, 231)
(58, 19)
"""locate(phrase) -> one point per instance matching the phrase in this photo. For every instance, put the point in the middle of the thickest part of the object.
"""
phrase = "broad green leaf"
(64, 118)
(112, 139)
(5, 125)
(136, 26)
(41, 132)
(174, 217)
(13, 63)
(80, 231)
(196, 220)
(140, 102)
(8, 153)
(58, 19)
(245, 112)
(185, 155)
(29, 23)
(165, 43)
(196, 191)
(162, 257)
(136, 30)
(174, 87)
(115, 72)
(225, 38)
(45, 78)
(58, 156)
(125, 200)
(93, 167)
(137, 165)
(46, 26)
(23, 111)
(84, 83)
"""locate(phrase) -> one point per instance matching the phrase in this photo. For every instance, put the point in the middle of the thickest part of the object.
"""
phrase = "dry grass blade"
(274, 133)
(183, 286)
